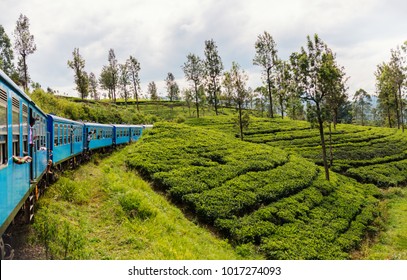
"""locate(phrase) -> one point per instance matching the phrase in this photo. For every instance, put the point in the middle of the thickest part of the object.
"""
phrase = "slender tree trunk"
(240, 121)
(397, 109)
(335, 120)
(138, 109)
(270, 97)
(25, 73)
(388, 115)
(196, 101)
(282, 107)
(331, 156)
(214, 96)
(321, 134)
(401, 109)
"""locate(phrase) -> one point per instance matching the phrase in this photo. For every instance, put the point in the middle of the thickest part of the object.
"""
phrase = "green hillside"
(257, 195)
(266, 195)
(104, 211)
(369, 154)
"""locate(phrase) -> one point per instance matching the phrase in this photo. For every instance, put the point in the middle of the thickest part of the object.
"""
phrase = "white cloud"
(160, 33)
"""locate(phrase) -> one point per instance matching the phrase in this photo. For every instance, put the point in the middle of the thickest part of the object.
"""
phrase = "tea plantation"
(369, 154)
(260, 196)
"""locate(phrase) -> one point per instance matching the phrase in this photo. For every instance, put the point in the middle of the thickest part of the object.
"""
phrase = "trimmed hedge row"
(256, 194)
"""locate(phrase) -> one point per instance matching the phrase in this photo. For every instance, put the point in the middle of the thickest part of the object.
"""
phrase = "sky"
(160, 34)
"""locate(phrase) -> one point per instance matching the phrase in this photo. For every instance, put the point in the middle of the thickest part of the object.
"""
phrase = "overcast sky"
(160, 34)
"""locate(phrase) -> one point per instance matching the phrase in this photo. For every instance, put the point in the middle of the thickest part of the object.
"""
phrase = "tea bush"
(255, 194)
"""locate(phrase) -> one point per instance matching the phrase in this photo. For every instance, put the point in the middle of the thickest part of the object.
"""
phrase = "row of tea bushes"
(256, 194)
(369, 154)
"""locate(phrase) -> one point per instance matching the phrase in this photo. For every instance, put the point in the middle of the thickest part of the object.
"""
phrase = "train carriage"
(29, 139)
(121, 134)
(66, 138)
(23, 149)
(135, 132)
(97, 136)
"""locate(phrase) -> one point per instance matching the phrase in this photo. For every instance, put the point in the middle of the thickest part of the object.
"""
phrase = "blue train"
(32, 142)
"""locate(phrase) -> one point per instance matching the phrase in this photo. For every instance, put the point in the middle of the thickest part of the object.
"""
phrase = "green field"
(257, 196)
(264, 197)
(369, 154)
(103, 211)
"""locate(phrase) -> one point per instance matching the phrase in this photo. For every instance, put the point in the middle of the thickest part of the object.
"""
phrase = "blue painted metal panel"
(121, 134)
(14, 178)
(135, 132)
(68, 142)
(102, 135)
(40, 153)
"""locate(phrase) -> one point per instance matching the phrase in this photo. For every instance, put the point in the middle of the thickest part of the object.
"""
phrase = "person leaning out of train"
(89, 137)
(31, 136)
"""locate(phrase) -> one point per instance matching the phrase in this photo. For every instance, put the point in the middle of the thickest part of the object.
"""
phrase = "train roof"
(98, 124)
(18, 90)
(56, 118)
(127, 125)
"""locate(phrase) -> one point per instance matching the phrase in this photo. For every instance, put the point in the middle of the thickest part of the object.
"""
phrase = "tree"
(213, 70)
(152, 91)
(283, 82)
(227, 85)
(81, 77)
(106, 81)
(399, 69)
(93, 85)
(335, 88)
(172, 87)
(114, 73)
(194, 72)
(317, 70)
(362, 105)
(387, 91)
(24, 45)
(134, 69)
(260, 98)
(187, 94)
(6, 53)
(124, 81)
(239, 79)
(266, 57)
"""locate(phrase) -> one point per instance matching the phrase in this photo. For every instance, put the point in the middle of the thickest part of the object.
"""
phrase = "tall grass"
(106, 212)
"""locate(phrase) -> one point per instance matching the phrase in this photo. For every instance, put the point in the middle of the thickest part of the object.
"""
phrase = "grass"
(390, 244)
(103, 211)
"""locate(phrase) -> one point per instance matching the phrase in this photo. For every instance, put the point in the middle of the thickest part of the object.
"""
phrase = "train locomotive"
(33, 142)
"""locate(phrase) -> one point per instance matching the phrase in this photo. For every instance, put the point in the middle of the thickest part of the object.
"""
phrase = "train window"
(61, 134)
(70, 134)
(38, 131)
(44, 133)
(65, 134)
(3, 127)
(25, 128)
(16, 126)
(55, 135)
(79, 134)
(75, 133)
